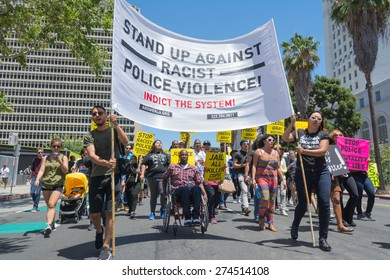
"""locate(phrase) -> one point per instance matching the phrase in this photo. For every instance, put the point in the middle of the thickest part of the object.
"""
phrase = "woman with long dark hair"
(265, 172)
(155, 163)
(313, 143)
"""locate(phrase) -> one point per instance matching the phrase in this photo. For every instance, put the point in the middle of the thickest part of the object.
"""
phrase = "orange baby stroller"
(73, 204)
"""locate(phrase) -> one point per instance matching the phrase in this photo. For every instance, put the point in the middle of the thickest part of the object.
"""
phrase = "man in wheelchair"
(186, 187)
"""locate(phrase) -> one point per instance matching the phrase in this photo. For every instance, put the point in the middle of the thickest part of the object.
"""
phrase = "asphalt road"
(235, 237)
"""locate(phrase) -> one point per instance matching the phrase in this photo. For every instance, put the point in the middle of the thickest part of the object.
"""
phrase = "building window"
(365, 132)
(356, 85)
(361, 102)
(382, 129)
(377, 96)
(355, 73)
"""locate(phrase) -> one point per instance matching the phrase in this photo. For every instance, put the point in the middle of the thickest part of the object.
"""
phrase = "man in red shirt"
(186, 186)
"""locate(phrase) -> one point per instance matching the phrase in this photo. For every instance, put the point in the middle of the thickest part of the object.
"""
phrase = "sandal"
(272, 228)
(344, 229)
(261, 225)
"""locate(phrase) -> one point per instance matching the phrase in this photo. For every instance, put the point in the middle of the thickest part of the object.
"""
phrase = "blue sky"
(221, 19)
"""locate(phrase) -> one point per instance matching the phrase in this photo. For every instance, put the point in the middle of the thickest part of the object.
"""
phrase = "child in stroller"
(73, 204)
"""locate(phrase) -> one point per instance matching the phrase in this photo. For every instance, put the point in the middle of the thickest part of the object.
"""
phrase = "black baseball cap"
(243, 142)
(206, 142)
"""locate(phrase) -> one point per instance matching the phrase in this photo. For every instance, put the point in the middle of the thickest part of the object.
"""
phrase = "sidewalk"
(23, 191)
(18, 192)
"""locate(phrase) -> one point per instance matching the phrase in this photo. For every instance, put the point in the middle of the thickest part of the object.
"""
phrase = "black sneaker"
(294, 232)
(324, 246)
(99, 240)
(104, 254)
(48, 230)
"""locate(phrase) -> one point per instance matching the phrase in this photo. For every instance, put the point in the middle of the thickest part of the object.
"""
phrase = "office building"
(54, 95)
(340, 63)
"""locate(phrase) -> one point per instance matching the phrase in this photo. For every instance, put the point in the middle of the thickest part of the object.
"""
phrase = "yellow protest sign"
(94, 126)
(215, 167)
(143, 143)
(301, 125)
(224, 136)
(373, 174)
(183, 136)
(174, 156)
(276, 128)
(249, 133)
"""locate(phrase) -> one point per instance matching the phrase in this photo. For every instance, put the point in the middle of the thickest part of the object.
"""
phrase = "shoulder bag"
(226, 186)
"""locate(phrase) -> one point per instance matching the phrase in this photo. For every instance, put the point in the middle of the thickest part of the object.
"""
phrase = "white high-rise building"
(54, 94)
(340, 63)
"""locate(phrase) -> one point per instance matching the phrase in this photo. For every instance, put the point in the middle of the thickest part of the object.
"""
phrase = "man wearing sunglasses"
(98, 144)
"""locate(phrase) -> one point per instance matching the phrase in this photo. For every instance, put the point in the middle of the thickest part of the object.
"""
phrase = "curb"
(15, 196)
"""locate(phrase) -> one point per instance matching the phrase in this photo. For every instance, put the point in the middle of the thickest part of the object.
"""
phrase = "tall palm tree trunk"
(375, 133)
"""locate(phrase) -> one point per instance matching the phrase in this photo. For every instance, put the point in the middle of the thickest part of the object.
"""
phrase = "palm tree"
(299, 59)
(365, 21)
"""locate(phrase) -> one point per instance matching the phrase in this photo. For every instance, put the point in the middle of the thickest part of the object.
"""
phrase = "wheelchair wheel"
(167, 217)
(205, 217)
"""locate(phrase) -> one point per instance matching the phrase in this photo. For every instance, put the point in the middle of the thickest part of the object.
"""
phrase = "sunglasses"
(39, 152)
(316, 118)
(339, 135)
(127, 148)
(100, 113)
(56, 146)
(270, 140)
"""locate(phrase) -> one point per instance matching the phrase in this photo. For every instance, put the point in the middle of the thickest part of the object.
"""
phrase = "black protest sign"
(335, 161)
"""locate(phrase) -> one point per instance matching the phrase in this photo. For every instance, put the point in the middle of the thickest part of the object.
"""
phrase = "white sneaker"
(234, 200)
(283, 213)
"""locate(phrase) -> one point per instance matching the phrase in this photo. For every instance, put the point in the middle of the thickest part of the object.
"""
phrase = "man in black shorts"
(98, 146)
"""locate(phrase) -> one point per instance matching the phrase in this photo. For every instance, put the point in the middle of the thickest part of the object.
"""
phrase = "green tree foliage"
(4, 105)
(70, 143)
(299, 59)
(337, 104)
(366, 21)
(40, 23)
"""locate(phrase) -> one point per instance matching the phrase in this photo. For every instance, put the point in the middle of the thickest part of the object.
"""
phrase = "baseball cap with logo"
(206, 142)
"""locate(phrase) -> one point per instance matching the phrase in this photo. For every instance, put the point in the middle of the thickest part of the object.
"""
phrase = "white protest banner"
(172, 82)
